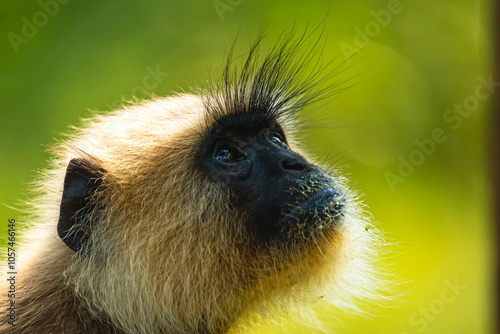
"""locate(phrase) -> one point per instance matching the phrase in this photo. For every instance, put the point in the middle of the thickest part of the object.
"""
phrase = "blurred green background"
(412, 132)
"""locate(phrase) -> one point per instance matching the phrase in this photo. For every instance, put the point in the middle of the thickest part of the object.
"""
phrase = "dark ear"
(83, 177)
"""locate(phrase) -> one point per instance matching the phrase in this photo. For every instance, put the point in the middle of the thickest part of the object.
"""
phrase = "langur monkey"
(180, 214)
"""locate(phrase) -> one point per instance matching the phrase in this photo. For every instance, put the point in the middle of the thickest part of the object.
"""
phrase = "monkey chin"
(309, 219)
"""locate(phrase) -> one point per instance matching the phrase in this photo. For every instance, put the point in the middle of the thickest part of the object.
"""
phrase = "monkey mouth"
(323, 209)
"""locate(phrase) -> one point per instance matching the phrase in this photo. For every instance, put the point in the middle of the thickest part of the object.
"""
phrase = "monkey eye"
(228, 153)
(278, 140)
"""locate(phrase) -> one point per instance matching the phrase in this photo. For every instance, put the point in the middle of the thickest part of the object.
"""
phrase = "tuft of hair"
(276, 84)
(168, 253)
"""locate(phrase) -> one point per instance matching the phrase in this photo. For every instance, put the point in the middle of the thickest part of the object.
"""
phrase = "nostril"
(293, 165)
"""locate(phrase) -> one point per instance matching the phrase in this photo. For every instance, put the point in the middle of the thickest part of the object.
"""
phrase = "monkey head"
(179, 214)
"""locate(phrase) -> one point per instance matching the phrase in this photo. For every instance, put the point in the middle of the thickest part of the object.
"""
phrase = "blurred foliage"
(415, 64)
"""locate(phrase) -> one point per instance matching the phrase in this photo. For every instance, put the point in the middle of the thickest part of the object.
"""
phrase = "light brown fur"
(171, 255)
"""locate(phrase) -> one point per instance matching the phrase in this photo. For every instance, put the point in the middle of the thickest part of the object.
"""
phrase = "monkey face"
(287, 199)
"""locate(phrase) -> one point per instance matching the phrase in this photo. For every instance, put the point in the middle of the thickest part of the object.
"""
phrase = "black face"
(287, 198)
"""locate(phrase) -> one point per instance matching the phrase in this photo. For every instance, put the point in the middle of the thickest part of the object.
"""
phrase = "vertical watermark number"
(11, 272)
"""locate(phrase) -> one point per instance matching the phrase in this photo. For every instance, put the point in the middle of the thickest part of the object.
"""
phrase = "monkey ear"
(83, 178)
